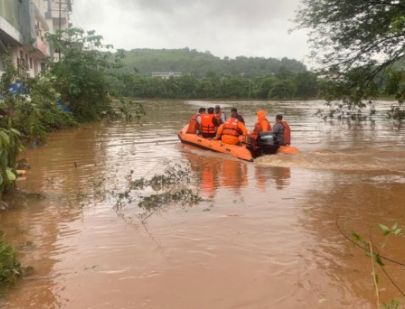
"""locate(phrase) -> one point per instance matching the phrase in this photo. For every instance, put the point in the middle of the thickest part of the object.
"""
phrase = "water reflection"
(280, 175)
(213, 173)
(234, 175)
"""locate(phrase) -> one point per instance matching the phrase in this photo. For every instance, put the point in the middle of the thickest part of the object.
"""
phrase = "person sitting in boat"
(262, 126)
(232, 130)
(195, 122)
(219, 115)
(208, 127)
(239, 117)
(281, 131)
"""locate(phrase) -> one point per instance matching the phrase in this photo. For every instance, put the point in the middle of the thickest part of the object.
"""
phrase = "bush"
(10, 147)
(10, 268)
(32, 111)
(28, 114)
(80, 74)
(37, 113)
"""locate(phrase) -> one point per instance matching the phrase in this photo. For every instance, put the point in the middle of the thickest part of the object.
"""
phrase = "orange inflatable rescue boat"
(238, 151)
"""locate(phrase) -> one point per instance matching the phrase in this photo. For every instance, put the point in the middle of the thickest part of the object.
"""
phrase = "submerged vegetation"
(162, 190)
(10, 268)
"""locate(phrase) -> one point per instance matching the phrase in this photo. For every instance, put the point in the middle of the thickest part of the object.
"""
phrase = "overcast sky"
(224, 27)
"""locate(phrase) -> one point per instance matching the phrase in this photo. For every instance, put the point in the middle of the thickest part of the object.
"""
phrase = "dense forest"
(201, 75)
(278, 86)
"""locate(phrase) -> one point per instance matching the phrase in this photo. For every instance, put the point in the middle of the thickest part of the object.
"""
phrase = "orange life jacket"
(218, 116)
(231, 128)
(262, 126)
(287, 133)
(207, 123)
(193, 125)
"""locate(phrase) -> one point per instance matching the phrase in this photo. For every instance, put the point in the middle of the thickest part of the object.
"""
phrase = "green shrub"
(10, 147)
(10, 268)
(80, 74)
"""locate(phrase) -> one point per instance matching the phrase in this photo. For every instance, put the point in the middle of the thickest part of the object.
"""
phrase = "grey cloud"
(237, 27)
(238, 11)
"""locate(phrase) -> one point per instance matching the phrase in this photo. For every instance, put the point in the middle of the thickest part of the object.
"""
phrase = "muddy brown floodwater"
(265, 236)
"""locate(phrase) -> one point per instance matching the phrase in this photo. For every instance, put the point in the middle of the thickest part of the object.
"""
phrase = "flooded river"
(265, 236)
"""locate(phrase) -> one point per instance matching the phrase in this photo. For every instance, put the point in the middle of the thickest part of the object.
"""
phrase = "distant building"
(166, 75)
(23, 28)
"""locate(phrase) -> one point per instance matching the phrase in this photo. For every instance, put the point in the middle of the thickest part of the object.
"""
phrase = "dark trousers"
(208, 135)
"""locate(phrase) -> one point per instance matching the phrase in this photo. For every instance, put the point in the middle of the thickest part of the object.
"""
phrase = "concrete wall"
(10, 11)
(23, 28)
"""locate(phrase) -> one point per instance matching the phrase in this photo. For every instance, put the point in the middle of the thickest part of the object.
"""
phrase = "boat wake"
(328, 160)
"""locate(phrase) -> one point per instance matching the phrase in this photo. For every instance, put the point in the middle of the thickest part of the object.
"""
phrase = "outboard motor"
(267, 143)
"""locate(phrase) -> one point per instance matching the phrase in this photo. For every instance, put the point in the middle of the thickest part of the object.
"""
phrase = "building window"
(30, 63)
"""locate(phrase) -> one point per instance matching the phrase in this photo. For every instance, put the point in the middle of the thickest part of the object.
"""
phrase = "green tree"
(352, 32)
(282, 89)
(395, 84)
(348, 35)
(263, 86)
(80, 73)
(306, 85)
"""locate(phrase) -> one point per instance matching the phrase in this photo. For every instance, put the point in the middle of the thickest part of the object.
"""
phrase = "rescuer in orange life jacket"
(208, 127)
(239, 117)
(282, 131)
(195, 122)
(219, 115)
(231, 130)
(262, 126)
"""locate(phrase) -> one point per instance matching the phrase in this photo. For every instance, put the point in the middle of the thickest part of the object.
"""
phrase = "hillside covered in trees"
(199, 75)
(203, 75)
(199, 64)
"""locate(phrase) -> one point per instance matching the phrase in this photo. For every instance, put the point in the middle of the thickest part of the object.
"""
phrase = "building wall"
(58, 16)
(27, 62)
(42, 5)
(10, 28)
(10, 11)
(23, 28)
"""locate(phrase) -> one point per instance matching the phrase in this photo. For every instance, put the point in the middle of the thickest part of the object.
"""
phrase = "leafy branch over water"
(378, 260)
(170, 187)
(347, 37)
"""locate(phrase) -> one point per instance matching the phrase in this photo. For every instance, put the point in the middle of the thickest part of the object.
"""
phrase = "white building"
(166, 75)
(23, 28)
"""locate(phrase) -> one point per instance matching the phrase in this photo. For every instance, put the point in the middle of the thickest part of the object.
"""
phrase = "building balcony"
(42, 47)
